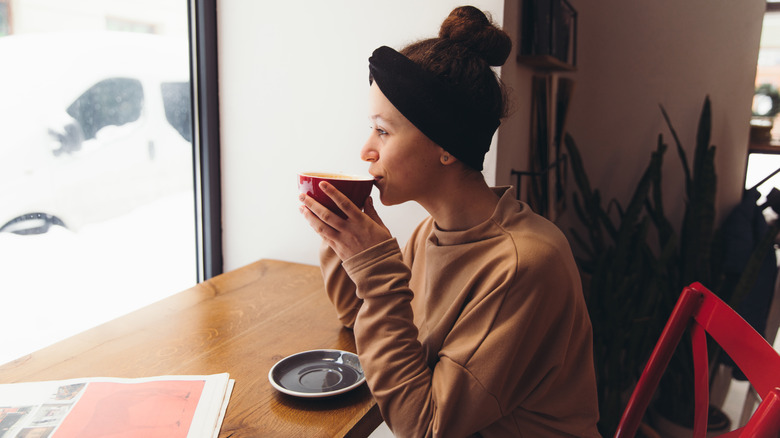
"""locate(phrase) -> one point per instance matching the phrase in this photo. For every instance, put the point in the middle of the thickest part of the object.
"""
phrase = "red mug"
(356, 188)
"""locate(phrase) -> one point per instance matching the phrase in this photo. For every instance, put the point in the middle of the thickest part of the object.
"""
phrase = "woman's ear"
(446, 159)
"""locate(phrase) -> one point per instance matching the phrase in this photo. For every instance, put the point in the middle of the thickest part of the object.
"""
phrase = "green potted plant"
(632, 282)
(686, 258)
(696, 255)
(617, 268)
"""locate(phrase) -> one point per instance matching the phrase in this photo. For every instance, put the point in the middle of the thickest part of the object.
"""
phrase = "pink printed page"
(160, 409)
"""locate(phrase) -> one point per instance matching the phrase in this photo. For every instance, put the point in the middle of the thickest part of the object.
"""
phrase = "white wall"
(294, 82)
(293, 95)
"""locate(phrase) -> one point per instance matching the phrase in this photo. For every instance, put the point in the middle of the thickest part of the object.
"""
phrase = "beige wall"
(634, 56)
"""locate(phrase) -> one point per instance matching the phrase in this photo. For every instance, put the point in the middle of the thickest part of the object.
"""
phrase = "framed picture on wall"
(548, 34)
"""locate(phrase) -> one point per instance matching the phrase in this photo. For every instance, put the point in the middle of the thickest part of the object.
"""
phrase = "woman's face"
(404, 162)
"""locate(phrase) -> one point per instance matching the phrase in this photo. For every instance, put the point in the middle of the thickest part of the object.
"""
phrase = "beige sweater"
(482, 332)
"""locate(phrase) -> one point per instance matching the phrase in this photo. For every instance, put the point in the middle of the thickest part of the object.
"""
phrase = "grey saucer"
(317, 373)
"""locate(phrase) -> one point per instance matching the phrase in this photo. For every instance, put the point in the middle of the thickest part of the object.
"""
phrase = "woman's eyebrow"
(379, 119)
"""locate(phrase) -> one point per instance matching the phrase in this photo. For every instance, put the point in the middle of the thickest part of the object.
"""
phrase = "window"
(98, 194)
(5, 17)
(176, 100)
(764, 150)
(110, 102)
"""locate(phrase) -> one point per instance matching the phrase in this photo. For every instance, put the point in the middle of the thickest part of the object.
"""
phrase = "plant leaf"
(680, 151)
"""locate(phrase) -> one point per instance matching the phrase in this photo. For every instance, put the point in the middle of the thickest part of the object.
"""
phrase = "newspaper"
(162, 406)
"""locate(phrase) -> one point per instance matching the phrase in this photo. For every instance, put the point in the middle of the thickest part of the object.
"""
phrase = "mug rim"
(335, 176)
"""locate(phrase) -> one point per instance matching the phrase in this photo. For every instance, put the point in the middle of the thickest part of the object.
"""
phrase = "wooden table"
(240, 322)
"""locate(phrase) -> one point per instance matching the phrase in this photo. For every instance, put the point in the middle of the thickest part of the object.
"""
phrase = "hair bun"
(470, 27)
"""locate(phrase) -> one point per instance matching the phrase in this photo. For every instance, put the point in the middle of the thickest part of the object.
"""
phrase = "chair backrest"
(705, 313)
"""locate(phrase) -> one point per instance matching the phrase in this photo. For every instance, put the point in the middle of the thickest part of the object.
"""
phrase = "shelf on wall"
(548, 35)
(765, 147)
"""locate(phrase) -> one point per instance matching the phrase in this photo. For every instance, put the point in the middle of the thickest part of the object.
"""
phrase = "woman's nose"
(368, 152)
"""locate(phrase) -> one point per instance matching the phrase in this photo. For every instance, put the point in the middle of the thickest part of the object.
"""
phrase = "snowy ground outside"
(60, 283)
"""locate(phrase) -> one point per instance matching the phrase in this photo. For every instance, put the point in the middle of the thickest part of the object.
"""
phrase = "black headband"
(440, 112)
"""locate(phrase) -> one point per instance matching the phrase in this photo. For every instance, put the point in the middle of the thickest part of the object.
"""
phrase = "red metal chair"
(760, 363)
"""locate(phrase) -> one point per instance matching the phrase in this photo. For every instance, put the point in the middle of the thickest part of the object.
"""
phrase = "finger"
(340, 199)
(319, 210)
(320, 227)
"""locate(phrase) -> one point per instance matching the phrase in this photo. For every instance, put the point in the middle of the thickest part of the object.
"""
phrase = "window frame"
(206, 135)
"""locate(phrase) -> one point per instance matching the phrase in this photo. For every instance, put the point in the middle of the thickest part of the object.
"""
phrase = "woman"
(478, 327)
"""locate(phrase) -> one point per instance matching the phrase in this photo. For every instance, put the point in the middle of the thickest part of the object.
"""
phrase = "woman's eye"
(378, 130)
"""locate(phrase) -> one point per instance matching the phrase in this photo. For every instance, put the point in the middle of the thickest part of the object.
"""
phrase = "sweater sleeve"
(386, 338)
(481, 372)
(415, 399)
(338, 286)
